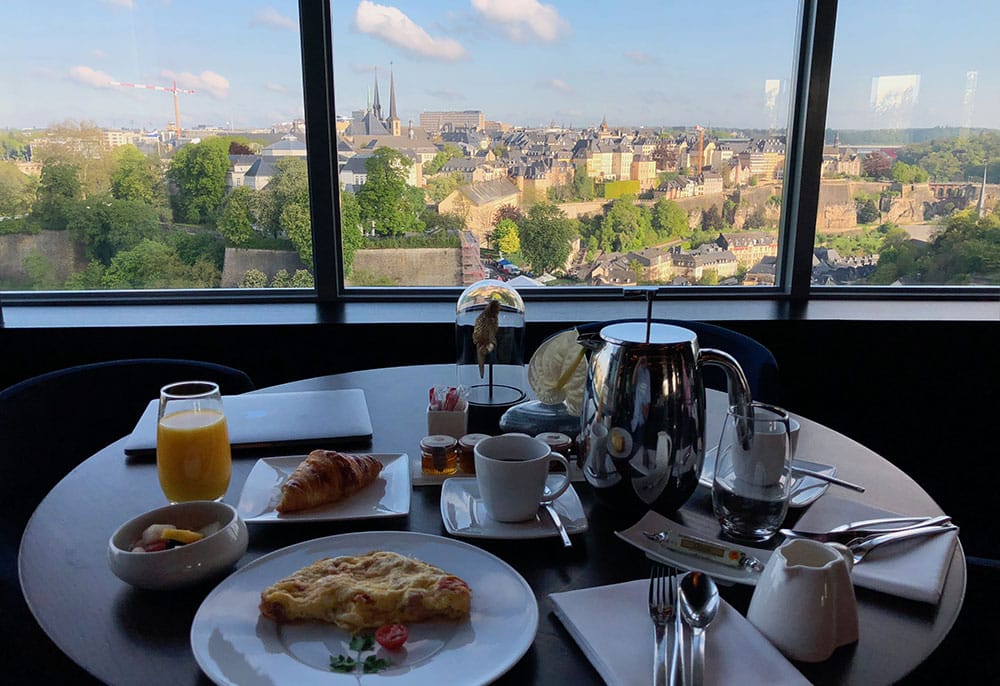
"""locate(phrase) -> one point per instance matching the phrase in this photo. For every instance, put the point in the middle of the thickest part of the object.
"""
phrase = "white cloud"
(90, 77)
(639, 57)
(523, 20)
(272, 18)
(207, 82)
(121, 3)
(394, 27)
(276, 88)
(558, 85)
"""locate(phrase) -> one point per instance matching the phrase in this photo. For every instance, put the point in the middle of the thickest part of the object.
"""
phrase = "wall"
(411, 267)
(65, 257)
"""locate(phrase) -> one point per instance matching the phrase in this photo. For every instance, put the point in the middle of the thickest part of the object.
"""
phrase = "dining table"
(123, 635)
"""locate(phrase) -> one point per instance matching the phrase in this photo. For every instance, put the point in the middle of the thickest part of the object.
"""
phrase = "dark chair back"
(758, 363)
(48, 425)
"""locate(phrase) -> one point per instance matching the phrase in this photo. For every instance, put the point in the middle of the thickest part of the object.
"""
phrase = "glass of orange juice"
(193, 457)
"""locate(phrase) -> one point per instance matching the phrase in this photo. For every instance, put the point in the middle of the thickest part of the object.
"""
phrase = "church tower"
(392, 123)
(376, 105)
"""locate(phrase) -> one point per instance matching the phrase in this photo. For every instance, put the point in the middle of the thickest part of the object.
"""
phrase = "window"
(156, 151)
(153, 145)
(911, 157)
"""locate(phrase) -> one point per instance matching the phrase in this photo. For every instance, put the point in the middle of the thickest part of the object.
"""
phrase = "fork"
(662, 604)
(862, 546)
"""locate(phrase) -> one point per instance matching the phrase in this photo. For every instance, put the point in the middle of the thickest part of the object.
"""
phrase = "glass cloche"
(489, 340)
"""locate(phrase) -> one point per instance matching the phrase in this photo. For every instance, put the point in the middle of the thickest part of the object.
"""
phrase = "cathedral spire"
(392, 123)
(376, 105)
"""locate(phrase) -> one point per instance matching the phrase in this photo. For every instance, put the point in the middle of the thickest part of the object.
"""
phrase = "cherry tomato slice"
(392, 636)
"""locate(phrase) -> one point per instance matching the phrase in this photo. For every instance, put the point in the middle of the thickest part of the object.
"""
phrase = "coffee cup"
(513, 472)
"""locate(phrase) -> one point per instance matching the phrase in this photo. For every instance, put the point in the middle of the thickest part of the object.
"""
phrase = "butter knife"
(868, 528)
(557, 520)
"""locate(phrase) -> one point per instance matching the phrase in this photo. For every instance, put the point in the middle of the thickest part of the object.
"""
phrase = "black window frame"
(806, 130)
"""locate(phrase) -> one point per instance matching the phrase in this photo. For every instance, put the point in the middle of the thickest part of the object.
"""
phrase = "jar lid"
(554, 438)
(470, 440)
(437, 442)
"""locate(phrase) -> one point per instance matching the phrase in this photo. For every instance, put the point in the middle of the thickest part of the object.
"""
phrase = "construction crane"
(174, 89)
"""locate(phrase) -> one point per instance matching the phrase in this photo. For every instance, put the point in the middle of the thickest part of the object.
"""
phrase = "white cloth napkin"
(611, 625)
(914, 569)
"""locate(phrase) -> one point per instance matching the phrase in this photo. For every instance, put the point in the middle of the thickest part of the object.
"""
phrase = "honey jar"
(438, 455)
(558, 442)
(467, 451)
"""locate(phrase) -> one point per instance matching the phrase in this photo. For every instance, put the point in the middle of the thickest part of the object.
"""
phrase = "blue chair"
(48, 425)
(758, 363)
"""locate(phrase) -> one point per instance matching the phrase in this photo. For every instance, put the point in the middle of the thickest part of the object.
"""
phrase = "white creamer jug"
(804, 602)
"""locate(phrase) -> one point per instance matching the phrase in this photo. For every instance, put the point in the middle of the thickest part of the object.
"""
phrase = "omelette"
(367, 591)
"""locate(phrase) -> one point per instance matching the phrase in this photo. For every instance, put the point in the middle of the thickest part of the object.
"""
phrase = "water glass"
(193, 455)
(753, 472)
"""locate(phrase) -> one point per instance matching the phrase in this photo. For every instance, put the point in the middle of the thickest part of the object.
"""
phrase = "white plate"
(655, 523)
(387, 496)
(235, 645)
(464, 514)
(805, 489)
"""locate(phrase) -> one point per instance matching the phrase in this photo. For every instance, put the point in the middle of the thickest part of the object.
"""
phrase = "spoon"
(699, 601)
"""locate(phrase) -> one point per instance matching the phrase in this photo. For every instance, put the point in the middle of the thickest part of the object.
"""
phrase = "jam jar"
(467, 451)
(438, 455)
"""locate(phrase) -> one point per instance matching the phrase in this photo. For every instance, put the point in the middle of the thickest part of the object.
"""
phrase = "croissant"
(326, 476)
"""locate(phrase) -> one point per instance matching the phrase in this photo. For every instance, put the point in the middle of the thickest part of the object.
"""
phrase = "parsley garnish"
(370, 665)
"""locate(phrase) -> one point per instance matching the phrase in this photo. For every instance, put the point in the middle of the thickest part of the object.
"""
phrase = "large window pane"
(561, 142)
(912, 158)
(151, 144)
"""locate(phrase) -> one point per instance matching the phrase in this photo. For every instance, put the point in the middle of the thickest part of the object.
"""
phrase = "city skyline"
(523, 62)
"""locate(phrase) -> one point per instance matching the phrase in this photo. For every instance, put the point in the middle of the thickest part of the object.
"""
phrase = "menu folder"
(258, 422)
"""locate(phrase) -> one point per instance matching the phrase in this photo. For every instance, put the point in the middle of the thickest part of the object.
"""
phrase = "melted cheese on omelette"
(367, 591)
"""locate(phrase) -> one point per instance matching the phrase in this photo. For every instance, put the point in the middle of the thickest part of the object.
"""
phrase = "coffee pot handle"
(739, 389)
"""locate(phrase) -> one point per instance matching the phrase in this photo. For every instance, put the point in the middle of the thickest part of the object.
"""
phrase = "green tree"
(907, 173)
(350, 228)
(254, 278)
(448, 152)
(156, 265)
(281, 279)
(236, 218)
(58, 191)
(669, 219)
(90, 279)
(867, 211)
(107, 226)
(17, 190)
(583, 185)
(41, 272)
(626, 226)
(297, 226)
(757, 219)
(505, 237)
(546, 237)
(711, 219)
(135, 176)
(198, 170)
(441, 186)
(386, 202)
(302, 279)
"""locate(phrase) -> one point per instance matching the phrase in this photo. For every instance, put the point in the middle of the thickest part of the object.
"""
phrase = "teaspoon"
(698, 597)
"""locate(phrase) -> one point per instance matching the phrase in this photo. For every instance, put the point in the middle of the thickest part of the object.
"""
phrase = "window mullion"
(805, 153)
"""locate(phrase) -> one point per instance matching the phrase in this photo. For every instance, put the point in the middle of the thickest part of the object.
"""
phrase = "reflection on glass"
(909, 190)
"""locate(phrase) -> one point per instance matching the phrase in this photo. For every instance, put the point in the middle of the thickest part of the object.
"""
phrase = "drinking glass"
(753, 472)
(193, 456)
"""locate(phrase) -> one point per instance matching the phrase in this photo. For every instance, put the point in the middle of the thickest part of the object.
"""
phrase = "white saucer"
(464, 514)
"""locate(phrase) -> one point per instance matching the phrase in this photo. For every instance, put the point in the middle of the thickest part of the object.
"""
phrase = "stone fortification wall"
(238, 261)
(57, 247)
(412, 266)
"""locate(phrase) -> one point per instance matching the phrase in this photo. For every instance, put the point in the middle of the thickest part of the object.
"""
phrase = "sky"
(719, 64)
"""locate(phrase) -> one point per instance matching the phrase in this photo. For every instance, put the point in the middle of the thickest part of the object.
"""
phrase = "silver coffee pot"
(642, 438)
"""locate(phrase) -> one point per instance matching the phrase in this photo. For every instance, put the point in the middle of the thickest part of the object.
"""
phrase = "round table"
(123, 635)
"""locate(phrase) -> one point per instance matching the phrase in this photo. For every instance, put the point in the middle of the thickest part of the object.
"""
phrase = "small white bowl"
(184, 565)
